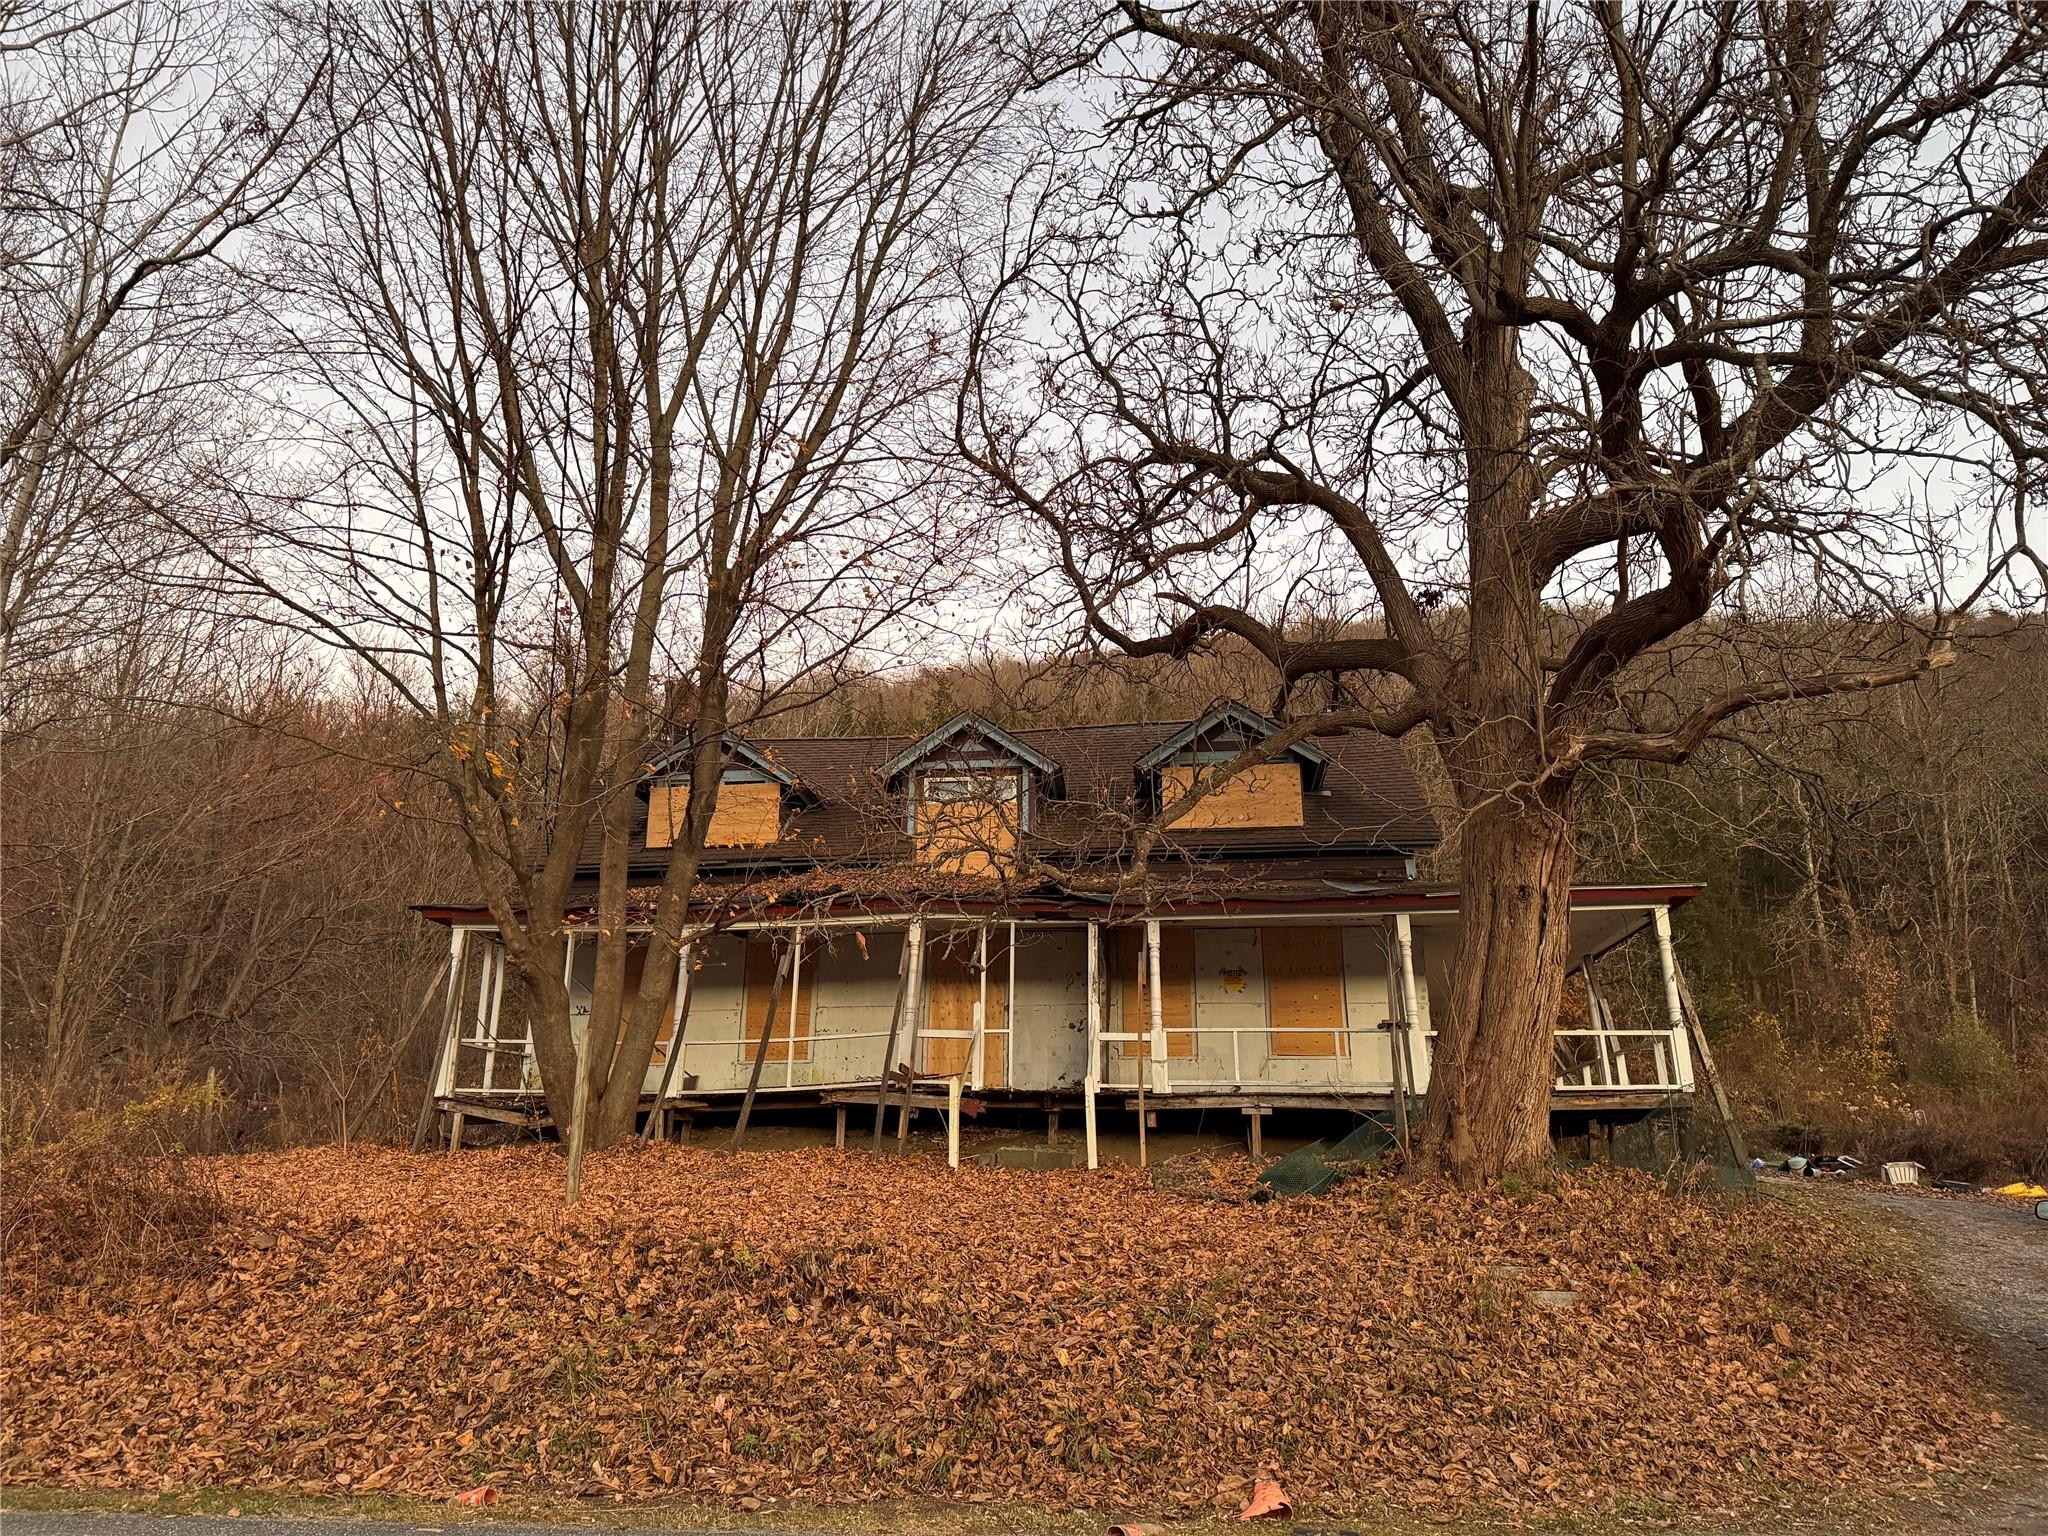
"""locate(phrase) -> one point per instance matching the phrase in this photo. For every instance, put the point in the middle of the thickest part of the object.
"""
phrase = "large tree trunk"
(1488, 1106)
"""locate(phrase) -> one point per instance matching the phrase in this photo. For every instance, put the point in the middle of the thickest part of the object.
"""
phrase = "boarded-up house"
(977, 896)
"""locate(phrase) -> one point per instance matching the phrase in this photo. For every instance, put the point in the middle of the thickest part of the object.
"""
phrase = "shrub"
(109, 1194)
(1964, 1058)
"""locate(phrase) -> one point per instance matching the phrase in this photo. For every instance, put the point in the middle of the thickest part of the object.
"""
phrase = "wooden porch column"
(906, 962)
(1674, 1008)
(978, 1047)
(1156, 1025)
(1404, 941)
(451, 1022)
(654, 1130)
(490, 1031)
(913, 1000)
(1010, 1016)
(1397, 1035)
(579, 1035)
(1091, 1081)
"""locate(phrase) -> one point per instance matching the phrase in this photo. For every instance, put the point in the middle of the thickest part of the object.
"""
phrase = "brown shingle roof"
(1369, 804)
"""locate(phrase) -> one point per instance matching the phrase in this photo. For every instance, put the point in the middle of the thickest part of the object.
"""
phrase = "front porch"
(1256, 1009)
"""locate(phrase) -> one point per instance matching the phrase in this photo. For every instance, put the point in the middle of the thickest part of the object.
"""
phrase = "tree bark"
(1488, 1109)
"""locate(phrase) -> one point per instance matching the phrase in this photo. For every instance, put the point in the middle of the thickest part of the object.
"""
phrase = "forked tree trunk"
(1488, 1106)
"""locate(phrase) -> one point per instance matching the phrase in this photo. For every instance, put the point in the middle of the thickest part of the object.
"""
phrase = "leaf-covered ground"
(825, 1326)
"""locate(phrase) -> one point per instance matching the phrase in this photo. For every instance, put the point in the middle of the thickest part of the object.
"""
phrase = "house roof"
(1368, 806)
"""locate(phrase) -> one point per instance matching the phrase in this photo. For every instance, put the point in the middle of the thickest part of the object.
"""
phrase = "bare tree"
(622, 328)
(139, 139)
(1459, 358)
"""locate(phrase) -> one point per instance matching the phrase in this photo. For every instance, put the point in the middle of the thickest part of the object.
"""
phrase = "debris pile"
(822, 1326)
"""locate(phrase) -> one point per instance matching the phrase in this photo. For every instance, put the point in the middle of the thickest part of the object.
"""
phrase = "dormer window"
(748, 813)
(1263, 795)
(968, 791)
(1268, 794)
(753, 791)
(968, 823)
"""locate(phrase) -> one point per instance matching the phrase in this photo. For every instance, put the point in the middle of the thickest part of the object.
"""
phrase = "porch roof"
(898, 893)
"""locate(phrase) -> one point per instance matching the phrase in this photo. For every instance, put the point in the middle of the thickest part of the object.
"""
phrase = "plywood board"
(747, 815)
(968, 837)
(792, 1039)
(1304, 990)
(952, 986)
(1264, 795)
(1176, 989)
(636, 964)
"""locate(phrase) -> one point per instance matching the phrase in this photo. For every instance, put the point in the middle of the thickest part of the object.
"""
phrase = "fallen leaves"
(822, 1326)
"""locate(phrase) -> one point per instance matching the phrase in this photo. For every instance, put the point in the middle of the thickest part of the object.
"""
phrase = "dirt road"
(1989, 1264)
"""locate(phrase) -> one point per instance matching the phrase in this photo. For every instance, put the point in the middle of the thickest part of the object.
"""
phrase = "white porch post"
(1156, 1025)
(1404, 944)
(796, 975)
(679, 1006)
(978, 1047)
(491, 1024)
(913, 998)
(1010, 1016)
(579, 1034)
(1092, 1079)
(458, 964)
(1674, 1010)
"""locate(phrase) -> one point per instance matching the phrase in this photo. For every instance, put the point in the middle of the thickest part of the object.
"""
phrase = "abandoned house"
(976, 911)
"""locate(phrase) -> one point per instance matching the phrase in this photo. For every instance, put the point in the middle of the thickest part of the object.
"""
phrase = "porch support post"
(579, 1034)
(785, 966)
(1010, 1019)
(953, 1122)
(444, 1070)
(654, 1129)
(1411, 1012)
(1603, 1022)
(451, 1021)
(914, 1000)
(913, 937)
(978, 1047)
(1674, 1008)
(491, 1023)
(1092, 1080)
(796, 981)
(1397, 1037)
(1736, 1149)
(1157, 1022)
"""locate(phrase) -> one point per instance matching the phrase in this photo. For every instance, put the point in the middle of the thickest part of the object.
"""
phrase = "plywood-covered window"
(967, 823)
(1176, 988)
(1304, 990)
(792, 1038)
(1263, 795)
(953, 985)
(747, 815)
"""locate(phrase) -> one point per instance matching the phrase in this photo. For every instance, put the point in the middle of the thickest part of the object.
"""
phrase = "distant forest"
(211, 858)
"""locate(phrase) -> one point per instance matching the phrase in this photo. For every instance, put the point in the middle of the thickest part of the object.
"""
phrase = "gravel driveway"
(1990, 1263)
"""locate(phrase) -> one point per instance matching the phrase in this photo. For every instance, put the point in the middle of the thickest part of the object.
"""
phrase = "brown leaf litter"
(825, 1326)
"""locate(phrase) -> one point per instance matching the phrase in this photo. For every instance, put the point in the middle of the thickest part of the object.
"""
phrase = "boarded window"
(1304, 990)
(636, 965)
(746, 816)
(1264, 795)
(966, 824)
(1176, 989)
(952, 985)
(792, 1037)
